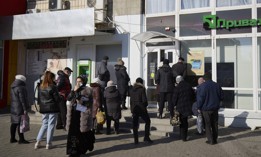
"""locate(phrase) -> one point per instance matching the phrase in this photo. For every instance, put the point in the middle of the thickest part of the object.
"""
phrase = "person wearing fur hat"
(122, 81)
(183, 98)
(139, 103)
(19, 107)
(113, 107)
(97, 103)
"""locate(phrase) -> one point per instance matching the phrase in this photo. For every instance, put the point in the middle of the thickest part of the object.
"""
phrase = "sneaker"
(37, 145)
(49, 146)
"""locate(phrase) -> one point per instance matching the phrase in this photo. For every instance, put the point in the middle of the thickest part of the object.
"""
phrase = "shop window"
(164, 24)
(191, 25)
(152, 67)
(234, 69)
(224, 3)
(234, 15)
(258, 1)
(160, 6)
(189, 4)
(259, 17)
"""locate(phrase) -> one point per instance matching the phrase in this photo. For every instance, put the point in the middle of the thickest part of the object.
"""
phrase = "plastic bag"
(25, 123)
(100, 117)
(175, 119)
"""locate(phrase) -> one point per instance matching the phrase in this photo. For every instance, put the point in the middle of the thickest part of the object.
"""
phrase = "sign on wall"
(196, 63)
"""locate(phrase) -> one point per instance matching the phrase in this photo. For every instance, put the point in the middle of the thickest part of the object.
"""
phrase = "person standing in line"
(49, 107)
(103, 72)
(200, 118)
(97, 104)
(113, 105)
(183, 99)
(139, 103)
(79, 124)
(64, 88)
(165, 80)
(180, 68)
(209, 96)
(122, 81)
(19, 107)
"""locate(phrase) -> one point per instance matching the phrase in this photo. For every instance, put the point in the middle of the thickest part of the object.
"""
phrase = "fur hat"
(96, 80)
(179, 79)
(20, 77)
(110, 83)
(139, 80)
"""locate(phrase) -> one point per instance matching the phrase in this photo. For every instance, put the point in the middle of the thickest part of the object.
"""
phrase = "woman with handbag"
(19, 107)
(49, 108)
(79, 119)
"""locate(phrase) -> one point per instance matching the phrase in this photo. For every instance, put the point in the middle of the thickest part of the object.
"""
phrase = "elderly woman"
(79, 119)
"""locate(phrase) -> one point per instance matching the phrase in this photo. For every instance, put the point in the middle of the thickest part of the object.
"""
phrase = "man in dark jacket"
(64, 88)
(122, 81)
(103, 72)
(183, 99)
(180, 68)
(209, 95)
(139, 103)
(165, 80)
(19, 107)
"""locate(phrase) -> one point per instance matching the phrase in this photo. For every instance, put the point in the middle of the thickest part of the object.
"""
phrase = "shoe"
(148, 140)
(13, 141)
(116, 132)
(59, 127)
(124, 108)
(49, 146)
(184, 140)
(37, 145)
(160, 116)
(23, 142)
(211, 143)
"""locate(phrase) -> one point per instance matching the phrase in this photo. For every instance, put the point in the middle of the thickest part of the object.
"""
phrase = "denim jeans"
(48, 124)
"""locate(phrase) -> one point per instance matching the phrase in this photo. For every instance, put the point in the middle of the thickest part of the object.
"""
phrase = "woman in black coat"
(19, 106)
(183, 99)
(122, 81)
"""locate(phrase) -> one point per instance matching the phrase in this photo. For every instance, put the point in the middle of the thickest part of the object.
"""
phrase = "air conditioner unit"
(100, 9)
(55, 5)
(31, 11)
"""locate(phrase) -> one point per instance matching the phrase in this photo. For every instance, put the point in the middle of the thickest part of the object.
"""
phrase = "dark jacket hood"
(60, 72)
(17, 83)
(118, 67)
(138, 85)
(166, 68)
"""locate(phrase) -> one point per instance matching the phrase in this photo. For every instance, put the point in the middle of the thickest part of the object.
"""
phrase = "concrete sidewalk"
(232, 142)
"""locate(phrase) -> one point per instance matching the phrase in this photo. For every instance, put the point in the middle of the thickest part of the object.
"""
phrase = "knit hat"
(166, 61)
(139, 80)
(179, 79)
(110, 83)
(20, 77)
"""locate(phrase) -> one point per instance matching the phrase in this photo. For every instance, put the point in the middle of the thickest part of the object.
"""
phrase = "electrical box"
(84, 68)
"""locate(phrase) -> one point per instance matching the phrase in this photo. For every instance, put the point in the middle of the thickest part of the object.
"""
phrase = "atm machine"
(84, 68)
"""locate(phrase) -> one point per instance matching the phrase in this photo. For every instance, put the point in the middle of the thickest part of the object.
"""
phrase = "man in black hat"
(165, 80)
(64, 87)
(180, 68)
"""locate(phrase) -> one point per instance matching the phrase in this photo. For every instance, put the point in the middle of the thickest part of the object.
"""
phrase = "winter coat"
(122, 78)
(19, 101)
(138, 99)
(63, 84)
(113, 102)
(179, 69)
(97, 98)
(165, 79)
(183, 98)
(49, 99)
(103, 72)
(209, 95)
(86, 121)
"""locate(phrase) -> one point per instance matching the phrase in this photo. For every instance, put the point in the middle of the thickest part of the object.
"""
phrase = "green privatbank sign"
(213, 22)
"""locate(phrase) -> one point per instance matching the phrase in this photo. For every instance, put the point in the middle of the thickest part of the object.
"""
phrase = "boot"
(22, 140)
(148, 140)
(136, 137)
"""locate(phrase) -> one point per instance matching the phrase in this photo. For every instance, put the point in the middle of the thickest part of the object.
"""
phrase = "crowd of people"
(74, 109)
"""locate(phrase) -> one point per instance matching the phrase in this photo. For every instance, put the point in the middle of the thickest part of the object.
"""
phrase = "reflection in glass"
(1, 68)
(188, 4)
(159, 24)
(160, 6)
(191, 25)
(223, 3)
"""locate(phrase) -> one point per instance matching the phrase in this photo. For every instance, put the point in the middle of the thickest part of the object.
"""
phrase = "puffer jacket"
(19, 101)
(113, 102)
(138, 99)
(165, 79)
(49, 100)
(122, 78)
(86, 121)
(63, 84)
